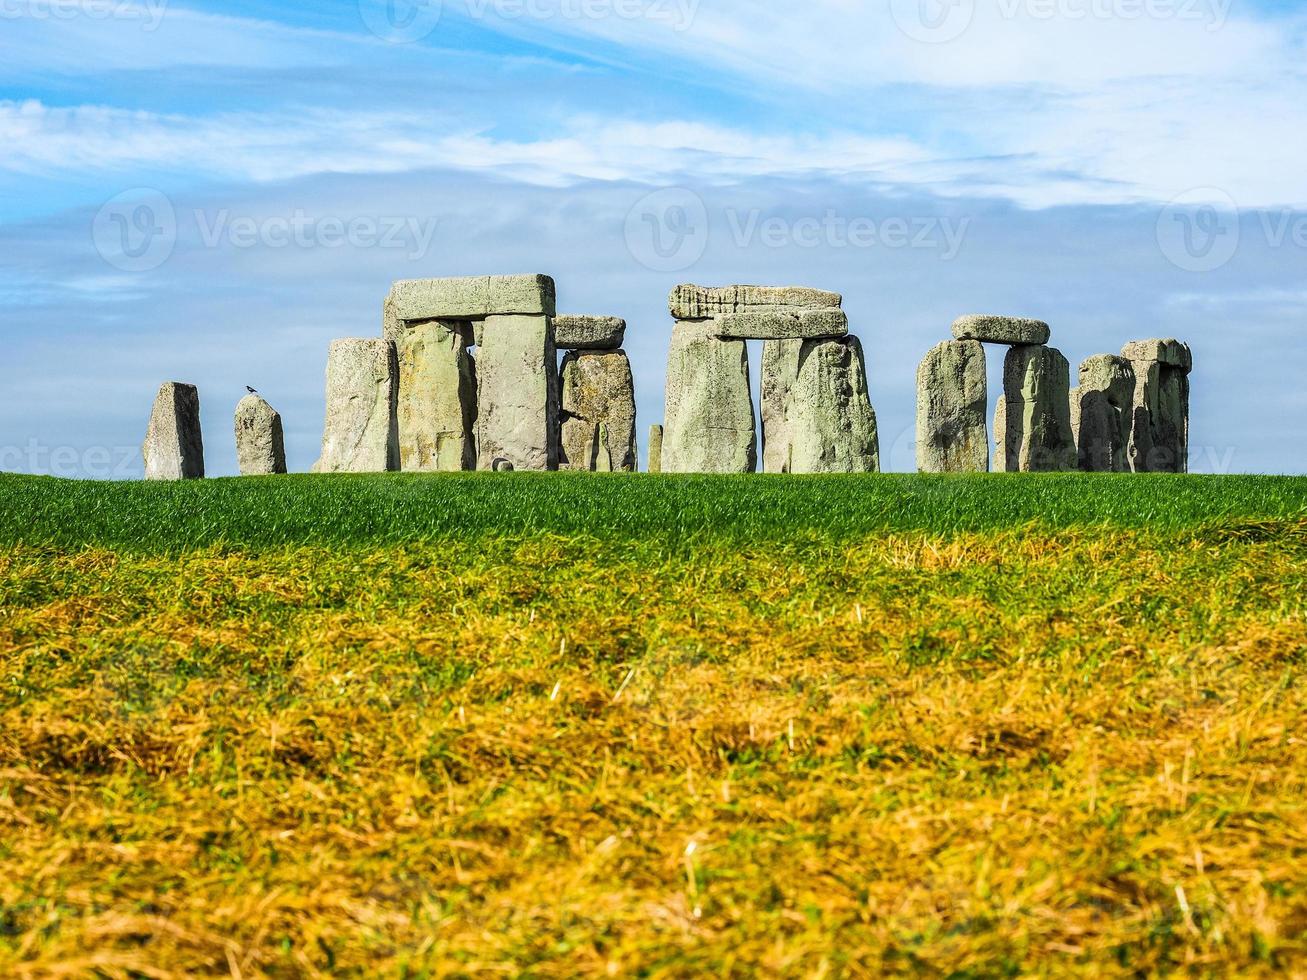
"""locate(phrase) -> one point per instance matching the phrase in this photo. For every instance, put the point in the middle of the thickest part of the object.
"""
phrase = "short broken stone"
(174, 444)
(1001, 329)
(603, 459)
(655, 449)
(782, 325)
(260, 441)
(1101, 414)
(588, 332)
(361, 433)
(689, 302)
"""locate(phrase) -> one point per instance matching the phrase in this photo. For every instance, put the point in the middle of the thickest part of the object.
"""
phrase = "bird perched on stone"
(250, 390)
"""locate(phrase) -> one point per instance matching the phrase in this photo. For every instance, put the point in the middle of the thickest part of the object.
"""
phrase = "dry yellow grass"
(1074, 752)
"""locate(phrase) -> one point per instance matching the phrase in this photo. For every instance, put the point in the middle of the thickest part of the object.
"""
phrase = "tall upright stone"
(780, 369)
(174, 444)
(517, 393)
(655, 449)
(260, 441)
(1032, 427)
(1159, 432)
(829, 421)
(437, 397)
(361, 433)
(597, 390)
(709, 425)
(952, 399)
(1101, 414)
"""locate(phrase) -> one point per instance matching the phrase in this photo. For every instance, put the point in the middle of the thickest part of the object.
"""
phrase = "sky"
(211, 192)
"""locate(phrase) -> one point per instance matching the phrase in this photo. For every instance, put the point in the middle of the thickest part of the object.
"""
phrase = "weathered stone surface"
(260, 442)
(688, 302)
(655, 449)
(517, 394)
(437, 397)
(952, 399)
(1032, 429)
(1001, 329)
(1171, 352)
(597, 390)
(473, 297)
(1159, 427)
(588, 332)
(830, 424)
(780, 369)
(782, 325)
(361, 430)
(174, 444)
(709, 424)
(1101, 413)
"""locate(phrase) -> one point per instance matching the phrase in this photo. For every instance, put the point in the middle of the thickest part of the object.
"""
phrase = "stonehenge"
(361, 432)
(1128, 413)
(483, 373)
(174, 444)
(260, 443)
(816, 411)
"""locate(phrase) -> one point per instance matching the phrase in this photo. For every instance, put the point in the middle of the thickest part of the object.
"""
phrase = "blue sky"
(1120, 168)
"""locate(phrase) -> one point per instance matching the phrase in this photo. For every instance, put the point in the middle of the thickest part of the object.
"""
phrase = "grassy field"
(625, 726)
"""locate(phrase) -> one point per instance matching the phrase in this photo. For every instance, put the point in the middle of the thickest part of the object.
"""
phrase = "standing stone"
(597, 390)
(780, 369)
(437, 397)
(655, 449)
(260, 443)
(829, 420)
(1159, 425)
(709, 423)
(361, 431)
(952, 399)
(174, 444)
(1033, 425)
(1101, 414)
(517, 393)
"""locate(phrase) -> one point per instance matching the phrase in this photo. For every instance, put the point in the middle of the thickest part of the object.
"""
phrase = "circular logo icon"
(136, 231)
(933, 21)
(902, 456)
(667, 231)
(1198, 231)
(401, 21)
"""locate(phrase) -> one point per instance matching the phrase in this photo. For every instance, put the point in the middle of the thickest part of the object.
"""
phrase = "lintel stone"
(1001, 329)
(689, 302)
(1171, 352)
(572, 332)
(473, 297)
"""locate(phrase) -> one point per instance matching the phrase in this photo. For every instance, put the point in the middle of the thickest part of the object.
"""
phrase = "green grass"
(369, 511)
(631, 726)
